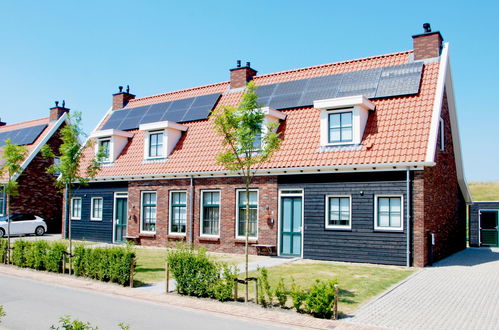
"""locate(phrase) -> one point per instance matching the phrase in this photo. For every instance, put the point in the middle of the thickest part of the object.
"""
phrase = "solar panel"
(22, 136)
(183, 110)
(373, 83)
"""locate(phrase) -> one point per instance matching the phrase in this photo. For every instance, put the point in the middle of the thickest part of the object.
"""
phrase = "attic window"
(110, 142)
(343, 119)
(155, 148)
(105, 148)
(271, 116)
(161, 138)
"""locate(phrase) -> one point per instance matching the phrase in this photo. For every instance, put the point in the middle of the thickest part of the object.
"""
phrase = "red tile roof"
(397, 131)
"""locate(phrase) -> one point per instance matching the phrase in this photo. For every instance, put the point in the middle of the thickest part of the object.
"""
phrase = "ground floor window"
(149, 205)
(338, 212)
(388, 213)
(76, 208)
(210, 213)
(241, 213)
(96, 211)
(178, 212)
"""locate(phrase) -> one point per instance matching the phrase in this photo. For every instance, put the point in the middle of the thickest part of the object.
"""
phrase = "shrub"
(79, 260)
(281, 293)
(298, 295)
(320, 299)
(3, 250)
(35, 253)
(224, 287)
(2, 313)
(19, 253)
(67, 323)
(54, 257)
(265, 294)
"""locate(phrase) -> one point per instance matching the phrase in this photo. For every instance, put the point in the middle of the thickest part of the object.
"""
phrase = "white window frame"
(353, 128)
(72, 206)
(442, 134)
(92, 209)
(326, 215)
(257, 214)
(2, 201)
(201, 211)
(110, 150)
(170, 212)
(142, 211)
(148, 143)
(402, 219)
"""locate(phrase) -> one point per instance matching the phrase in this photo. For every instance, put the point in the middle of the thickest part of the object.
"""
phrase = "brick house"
(369, 168)
(37, 193)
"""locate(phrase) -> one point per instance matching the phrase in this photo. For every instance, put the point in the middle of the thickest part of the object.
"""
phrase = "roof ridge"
(21, 123)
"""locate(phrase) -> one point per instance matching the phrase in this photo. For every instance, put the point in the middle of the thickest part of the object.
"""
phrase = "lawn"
(357, 283)
(484, 191)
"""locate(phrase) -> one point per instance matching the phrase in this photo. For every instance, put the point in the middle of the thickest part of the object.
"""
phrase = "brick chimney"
(240, 76)
(57, 111)
(427, 44)
(121, 99)
(2, 123)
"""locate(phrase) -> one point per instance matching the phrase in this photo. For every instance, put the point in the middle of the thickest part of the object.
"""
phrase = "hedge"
(39, 255)
(104, 264)
(3, 250)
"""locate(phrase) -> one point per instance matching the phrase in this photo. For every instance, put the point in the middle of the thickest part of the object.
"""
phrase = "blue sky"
(81, 51)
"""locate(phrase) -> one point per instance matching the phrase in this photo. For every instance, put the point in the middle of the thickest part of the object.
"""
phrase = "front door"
(120, 219)
(291, 225)
(489, 228)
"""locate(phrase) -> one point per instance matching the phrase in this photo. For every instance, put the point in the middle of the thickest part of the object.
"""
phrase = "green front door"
(489, 228)
(291, 222)
(120, 219)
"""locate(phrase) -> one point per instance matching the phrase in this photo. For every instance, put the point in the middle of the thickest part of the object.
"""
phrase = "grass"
(484, 191)
(357, 283)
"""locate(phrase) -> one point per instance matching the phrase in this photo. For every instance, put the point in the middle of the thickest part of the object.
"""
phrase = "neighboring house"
(484, 223)
(37, 193)
(369, 166)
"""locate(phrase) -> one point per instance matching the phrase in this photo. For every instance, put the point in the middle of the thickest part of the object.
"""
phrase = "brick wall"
(240, 76)
(427, 45)
(268, 194)
(439, 206)
(37, 193)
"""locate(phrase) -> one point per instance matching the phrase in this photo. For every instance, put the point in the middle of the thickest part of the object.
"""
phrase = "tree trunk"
(247, 240)
(8, 229)
(68, 202)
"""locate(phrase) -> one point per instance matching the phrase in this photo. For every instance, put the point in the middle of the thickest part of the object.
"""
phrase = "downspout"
(191, 211)
(408, 216)
(66, 214)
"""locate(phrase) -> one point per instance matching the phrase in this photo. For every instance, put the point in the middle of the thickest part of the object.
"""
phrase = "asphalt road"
(36, 305)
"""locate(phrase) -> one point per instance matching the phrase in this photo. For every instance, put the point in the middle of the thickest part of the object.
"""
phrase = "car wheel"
(40, 231)
(2, 233)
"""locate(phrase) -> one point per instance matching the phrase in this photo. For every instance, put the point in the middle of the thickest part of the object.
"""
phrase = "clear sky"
(81, 51)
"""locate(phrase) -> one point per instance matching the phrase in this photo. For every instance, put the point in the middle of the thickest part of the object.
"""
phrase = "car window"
(22, 217)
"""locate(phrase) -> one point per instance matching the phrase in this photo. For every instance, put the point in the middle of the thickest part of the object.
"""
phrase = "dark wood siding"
(94, 230)
(474, 219)
(362, 243)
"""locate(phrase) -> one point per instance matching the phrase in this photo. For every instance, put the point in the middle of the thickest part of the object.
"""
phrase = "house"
(369, 168)
(37, 193)
(484, 223)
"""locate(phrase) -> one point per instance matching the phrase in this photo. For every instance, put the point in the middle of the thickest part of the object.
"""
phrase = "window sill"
(75, 219)
(147, 235)
(240, 240)
(382, 230)
(338, 229)
(179, 237)
(96, 220)
(211, 239)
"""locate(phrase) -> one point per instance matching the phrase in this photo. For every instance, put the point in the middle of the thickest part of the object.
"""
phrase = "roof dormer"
(111, 142)
(343, 119)
(161, 138)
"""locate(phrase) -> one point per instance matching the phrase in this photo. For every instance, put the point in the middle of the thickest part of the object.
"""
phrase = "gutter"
(408, 216)
(191, 211)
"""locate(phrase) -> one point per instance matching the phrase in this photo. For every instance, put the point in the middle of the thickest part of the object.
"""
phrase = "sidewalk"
(239, 310)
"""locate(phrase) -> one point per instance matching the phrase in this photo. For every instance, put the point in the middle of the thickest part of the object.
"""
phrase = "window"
(96, 208)
(178, 212)
(241, 213)
(388, 213)
(340, 127)
(442, 135)
(57, 163)
(76, 208)
(338, 212)
(210, 213)
(105, 149)
(155, 145)
(148, 212)
(2, 201)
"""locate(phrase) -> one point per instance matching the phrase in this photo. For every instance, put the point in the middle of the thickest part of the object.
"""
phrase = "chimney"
(240, 76)
(57, 111)
(427, 44)
(2, 123)
(121, 99)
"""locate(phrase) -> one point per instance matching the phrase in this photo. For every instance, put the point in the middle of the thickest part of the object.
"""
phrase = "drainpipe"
(191, 211)
(66, 215)
(408, 216)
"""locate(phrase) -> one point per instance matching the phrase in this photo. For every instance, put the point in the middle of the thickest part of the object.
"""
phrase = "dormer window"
(105, 149)
(271, 116)
(343, 119)
(110, 143)
(161, 138)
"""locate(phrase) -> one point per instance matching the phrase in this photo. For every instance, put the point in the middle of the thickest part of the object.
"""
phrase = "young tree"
(68, 166)
(14, 156)
(248, 145)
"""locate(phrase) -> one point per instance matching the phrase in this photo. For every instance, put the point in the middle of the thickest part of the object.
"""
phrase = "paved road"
(37, 305)
(460, 292)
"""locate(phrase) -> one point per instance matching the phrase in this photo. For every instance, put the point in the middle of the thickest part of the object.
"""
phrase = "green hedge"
(39, 255)
(197, 275)
(104, 264)
(3, 250)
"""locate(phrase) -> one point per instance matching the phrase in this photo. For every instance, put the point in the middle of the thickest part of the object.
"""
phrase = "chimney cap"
(126, 91)
(426, 27)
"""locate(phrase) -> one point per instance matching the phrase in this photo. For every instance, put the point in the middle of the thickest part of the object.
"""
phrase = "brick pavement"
(459, 292)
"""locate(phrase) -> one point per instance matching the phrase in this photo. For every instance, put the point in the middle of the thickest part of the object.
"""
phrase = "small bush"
(19, 253)
(320, 299)
(298, 295)
(35, 253)
(54, 257)
(281, 293)
(67, 323)
(265, 294)
(3, 250)
(224, 287)
(2, 313)
(79, 260)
